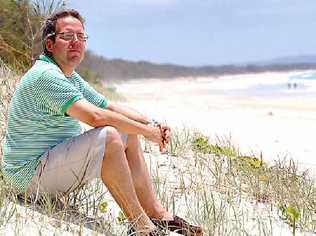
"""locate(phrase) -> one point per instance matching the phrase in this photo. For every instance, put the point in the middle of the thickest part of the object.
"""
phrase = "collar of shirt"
(48, 59)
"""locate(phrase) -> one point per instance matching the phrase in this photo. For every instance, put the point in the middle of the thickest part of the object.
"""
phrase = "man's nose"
(75, 38)
(75, 42)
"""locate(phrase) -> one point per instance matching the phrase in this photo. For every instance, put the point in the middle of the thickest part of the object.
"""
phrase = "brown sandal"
(178, 225)
(157, 232)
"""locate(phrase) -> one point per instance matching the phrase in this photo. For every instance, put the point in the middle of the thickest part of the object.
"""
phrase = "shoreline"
(278, 127)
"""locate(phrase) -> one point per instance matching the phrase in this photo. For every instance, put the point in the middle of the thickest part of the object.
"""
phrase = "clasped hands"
(161, 134)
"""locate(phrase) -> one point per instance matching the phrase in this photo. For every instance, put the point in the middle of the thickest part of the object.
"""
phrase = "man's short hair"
(49, 27)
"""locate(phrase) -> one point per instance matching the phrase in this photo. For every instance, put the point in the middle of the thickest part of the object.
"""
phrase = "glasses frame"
(85, 36)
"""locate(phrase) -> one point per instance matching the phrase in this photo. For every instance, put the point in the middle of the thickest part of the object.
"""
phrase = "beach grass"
(8, 81)
(227, 192)
(210, 182)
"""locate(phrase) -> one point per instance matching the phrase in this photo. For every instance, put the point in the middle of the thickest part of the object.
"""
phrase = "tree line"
(118, 69)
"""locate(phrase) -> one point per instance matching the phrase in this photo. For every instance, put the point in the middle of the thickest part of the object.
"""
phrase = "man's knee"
(113, 137)
(132, 139)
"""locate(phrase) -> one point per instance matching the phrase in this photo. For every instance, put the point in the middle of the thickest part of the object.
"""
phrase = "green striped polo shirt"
(37, 119)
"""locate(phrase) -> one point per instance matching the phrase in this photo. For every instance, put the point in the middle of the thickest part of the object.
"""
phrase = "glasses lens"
(82, 37)
(68, 36)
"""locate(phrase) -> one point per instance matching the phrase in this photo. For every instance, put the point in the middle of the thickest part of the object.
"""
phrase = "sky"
(199, 32)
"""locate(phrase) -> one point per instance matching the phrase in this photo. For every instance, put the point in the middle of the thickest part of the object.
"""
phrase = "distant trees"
(20, 26)
(118, 69)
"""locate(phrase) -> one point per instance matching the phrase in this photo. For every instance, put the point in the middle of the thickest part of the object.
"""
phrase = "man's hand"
(155, 135)
(165, 132)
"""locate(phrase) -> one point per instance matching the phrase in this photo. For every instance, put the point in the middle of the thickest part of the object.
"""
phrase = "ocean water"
(309, 76)
(300, 84)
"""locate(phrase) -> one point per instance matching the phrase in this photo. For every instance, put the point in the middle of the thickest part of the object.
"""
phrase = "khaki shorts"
(72, 163)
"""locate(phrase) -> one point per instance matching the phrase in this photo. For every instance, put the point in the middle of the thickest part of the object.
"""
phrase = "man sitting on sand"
(45, 152)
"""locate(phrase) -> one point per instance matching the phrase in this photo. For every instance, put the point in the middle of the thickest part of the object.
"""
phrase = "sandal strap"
(178, 225)
(157, 232)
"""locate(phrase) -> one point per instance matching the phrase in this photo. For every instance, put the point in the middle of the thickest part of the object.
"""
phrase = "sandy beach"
(259, 113)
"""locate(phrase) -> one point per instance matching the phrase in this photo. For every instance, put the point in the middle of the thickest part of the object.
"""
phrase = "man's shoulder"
(43, 67)
(42, 70)
(76, 76)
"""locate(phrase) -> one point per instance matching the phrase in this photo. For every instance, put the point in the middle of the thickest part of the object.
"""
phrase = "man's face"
(67, 53)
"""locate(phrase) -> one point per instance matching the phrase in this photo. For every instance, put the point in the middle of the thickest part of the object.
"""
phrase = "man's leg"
(142, 181)
(116, 175)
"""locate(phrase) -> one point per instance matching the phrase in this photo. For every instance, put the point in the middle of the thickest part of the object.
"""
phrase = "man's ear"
(49, 45)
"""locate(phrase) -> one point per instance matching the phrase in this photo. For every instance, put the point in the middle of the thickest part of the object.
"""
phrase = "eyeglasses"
(69, 36)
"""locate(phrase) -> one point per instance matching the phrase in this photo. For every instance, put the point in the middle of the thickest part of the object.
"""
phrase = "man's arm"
(128, 112)
(96, 117)
(136, 116)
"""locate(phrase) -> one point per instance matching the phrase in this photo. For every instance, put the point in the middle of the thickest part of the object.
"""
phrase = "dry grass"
(232, 194)
(8, 82)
